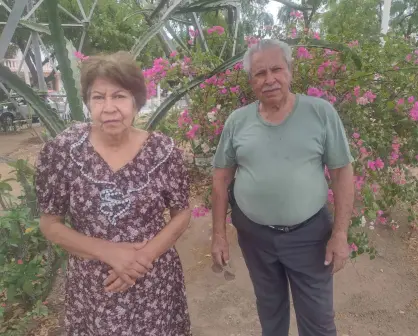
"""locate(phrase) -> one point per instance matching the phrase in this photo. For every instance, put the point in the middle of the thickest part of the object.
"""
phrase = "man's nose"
(269, 77)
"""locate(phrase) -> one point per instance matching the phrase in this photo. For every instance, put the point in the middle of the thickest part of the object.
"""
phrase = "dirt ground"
(378, 297)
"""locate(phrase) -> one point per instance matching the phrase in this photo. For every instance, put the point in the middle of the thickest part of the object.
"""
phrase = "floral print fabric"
(124, 206)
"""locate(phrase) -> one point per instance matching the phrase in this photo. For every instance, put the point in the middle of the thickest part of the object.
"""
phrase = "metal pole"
(37, 52)
(386, 16)
(11, 25)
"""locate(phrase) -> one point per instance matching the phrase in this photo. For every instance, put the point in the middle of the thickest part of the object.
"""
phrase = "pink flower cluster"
(80, 56)
(184, 119)
(303, 53)
(192, 133)
(296, 14)
(414, 112)
(353, 44)
(316, 92)
(200, 211)
(410, 57)
(395, 155)
(367, 98)
(378, 164)
(216, 29)
(251, 40)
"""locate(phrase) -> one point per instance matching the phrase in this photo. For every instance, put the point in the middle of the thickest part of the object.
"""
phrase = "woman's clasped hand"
(129, 261)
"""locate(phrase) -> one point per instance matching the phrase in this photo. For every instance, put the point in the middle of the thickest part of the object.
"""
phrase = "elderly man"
(274, 151)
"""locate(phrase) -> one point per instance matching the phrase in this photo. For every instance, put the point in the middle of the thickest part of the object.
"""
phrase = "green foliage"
(28, 262)
(350, 20)
(64, 52)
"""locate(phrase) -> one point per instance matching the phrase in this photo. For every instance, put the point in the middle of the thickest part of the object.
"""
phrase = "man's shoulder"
(319, 108)
(243, 113)
(315, 102)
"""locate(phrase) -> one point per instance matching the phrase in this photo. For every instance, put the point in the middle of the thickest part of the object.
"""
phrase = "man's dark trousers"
(276, 259)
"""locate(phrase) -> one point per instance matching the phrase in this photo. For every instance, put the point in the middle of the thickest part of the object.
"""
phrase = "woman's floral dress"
(122, 206)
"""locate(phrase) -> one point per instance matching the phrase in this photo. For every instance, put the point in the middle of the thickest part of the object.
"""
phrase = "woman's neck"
(113, 141)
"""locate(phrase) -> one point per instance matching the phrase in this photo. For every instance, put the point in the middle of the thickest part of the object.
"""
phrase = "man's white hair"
(267, 44)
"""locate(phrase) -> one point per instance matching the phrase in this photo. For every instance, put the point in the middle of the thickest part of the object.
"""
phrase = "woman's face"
(111, 106)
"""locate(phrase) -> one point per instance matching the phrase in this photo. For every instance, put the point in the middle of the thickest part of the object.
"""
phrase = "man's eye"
(97, 97)
(120, 97)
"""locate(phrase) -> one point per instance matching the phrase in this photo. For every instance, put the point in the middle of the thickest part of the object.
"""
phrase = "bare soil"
(378, 297)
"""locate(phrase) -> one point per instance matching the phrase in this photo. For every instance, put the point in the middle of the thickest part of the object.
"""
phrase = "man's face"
(270, 76)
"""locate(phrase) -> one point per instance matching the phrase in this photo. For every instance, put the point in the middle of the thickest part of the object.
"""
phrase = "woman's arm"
(70, 240)
(168, 236)
(122, 257)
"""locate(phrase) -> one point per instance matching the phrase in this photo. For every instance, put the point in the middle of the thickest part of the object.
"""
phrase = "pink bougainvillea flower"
(296, 14)
(379, 164)
(353, 44)
(20, 262)
(173, 54)
(370, 96)
(330, 196)
(357, 91)
(414, 112)
(356, 135)
(235, 89)
(216, 29)
(200, 211)
(193, 33)
(80, 55)
(353, 247)
(362, 101)
(408, 58)
(192, 133)
(294, 33)
(411, 99)
(371, 165)
(316, 36)
(238, 66)
(303, 53)
(315, 92)
(400, 101)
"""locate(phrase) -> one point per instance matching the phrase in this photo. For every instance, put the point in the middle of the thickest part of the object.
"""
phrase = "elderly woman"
(114, 181)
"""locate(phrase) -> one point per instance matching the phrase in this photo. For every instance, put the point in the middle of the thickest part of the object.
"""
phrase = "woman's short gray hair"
(267, 44)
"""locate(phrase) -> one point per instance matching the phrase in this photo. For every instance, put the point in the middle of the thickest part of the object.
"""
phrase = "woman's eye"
(120, 97)
(97, 98)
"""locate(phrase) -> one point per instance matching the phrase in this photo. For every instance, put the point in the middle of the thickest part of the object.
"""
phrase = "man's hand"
(337, 251)
(220, 250)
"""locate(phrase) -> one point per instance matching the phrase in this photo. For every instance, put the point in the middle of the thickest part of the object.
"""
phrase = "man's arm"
(222, 177)
(343, 189)
(342, 185)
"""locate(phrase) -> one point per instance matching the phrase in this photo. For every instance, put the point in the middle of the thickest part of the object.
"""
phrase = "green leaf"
(11, 293)
(37, 27)
(152, 31)
(168, 103)
(28, 287)
(48, 117)
(61, 52)
(207, 5)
